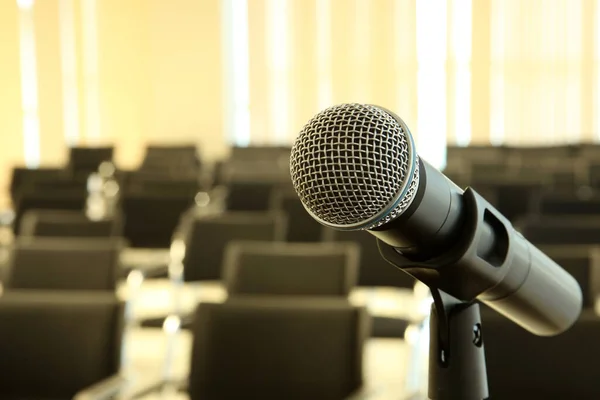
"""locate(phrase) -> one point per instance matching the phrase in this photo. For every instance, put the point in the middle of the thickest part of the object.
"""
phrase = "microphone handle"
(491, 262)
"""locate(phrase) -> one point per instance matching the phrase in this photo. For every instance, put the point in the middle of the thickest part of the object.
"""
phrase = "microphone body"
(450, 239)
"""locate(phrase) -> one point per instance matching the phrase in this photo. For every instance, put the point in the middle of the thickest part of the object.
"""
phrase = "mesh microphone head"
(354, 167)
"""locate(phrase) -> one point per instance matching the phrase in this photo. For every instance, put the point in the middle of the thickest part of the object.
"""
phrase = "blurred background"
(144, 148)
(219, 73)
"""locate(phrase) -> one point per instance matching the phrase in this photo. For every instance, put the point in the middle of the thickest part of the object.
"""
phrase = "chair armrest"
(105, 389)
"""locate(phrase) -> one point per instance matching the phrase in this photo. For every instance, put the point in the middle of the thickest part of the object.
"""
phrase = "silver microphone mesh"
(354, 167)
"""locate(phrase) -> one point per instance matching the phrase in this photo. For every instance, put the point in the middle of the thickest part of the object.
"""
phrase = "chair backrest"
(88, 159)
(63, 223)
(64, 264)
(260, 153)
(301, 226)
(249, 196)
(523, 366)
(373, 269)
(208, 236)
(291, 269)
(513, 198)
(561, 230)
(174, 158)
(61, 199)
(568, 205)
(290, 349)
(151, 218)
(22, 176)
(54, 344)
(140, 182)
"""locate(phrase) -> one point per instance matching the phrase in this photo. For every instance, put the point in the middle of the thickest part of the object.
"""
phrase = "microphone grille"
(354, 167)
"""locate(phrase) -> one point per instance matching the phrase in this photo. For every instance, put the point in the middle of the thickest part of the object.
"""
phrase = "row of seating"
(207, 232)
(330, 368)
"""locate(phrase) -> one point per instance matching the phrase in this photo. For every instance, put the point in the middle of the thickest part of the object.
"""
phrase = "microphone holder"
(457, 369)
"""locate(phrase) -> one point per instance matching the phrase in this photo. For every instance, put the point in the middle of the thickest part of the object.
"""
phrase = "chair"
(273, 154)
(175, 159)
(560, 231)
(206, 238)
(73, 199)
(552, 204)
(249, 196)
(513, 198)
(84, 160)
(22, 176)
(290, 269)
(61, 223)
(374, 270)
(289, 349)
(523, 366)
(151, 218)
(64, 264)
(149, 183)
(58, 346)
(301, 226)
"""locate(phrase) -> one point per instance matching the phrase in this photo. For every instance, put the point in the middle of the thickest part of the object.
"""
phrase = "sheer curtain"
(486, 71)
(540, 83)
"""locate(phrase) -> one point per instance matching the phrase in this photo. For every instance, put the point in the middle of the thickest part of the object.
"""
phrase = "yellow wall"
(11, 146)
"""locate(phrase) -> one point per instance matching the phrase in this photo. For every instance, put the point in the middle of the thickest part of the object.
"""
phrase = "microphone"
(355, 167)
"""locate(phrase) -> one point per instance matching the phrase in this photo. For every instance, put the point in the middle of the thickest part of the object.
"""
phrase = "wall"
(160, 71)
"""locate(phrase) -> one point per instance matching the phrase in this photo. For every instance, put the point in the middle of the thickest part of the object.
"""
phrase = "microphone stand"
(457, 369)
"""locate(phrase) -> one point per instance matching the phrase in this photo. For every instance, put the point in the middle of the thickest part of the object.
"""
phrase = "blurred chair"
(560, 230)
(290, 269)
(60, 346)
(252, 185)
(513, 198)
(86, 160)
(559, 204)
(489, 154)
(174, 159)
(151, 214)
(206, 238)
(62, 223)
(594, 173)
(523, 366)
(22, 176)
(374, 274)
(301, 226)
(289, 349)
(198, 252)
(249, 196)
(542, 156)
(74, 199)
(260, 153)
(149, 183)
(64, 264)
(374, 271)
